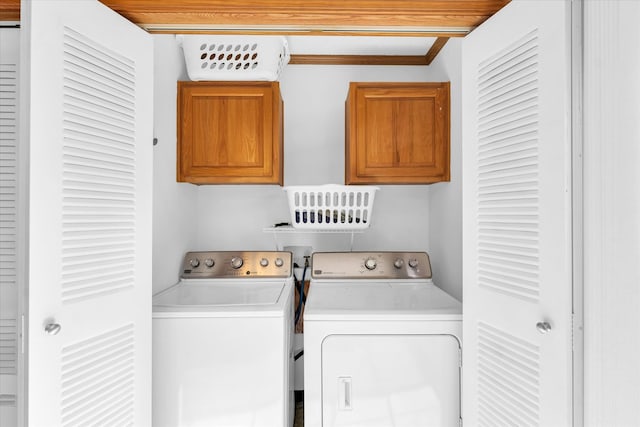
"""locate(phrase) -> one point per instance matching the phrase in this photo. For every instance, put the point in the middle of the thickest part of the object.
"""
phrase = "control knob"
(413, 263)
(398, 263)
(264, 262)
(370, 263)
(209, 262)
(194, 262)
(236, 262)
(279, 262)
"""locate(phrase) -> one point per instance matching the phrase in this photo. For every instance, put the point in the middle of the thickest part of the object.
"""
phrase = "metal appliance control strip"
(371, 265)
(227, 264)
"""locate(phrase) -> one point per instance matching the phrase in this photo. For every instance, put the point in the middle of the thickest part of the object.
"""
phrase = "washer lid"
(202, 293)
(376, 300)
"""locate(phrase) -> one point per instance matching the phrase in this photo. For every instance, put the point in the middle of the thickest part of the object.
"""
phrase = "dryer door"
(390, 380)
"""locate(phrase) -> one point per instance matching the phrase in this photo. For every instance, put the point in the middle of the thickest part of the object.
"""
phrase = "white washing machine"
(382, 343)
(222, 342)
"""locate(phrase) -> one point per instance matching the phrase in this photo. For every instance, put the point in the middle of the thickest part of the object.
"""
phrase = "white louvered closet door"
(517, 218)
(90, 135)
(9, 224)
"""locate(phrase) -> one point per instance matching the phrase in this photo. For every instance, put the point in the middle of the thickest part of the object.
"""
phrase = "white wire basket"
(234, 58)
(331, 207)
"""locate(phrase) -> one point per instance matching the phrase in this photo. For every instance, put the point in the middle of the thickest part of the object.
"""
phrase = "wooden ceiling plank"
(318, 14)
(320, 20)
(452, 7)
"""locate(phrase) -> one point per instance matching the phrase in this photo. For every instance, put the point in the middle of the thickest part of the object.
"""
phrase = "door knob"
(52, 328)
(543, 327)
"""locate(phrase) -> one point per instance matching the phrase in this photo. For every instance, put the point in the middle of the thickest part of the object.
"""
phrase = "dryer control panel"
(372, 265)
(242, 264)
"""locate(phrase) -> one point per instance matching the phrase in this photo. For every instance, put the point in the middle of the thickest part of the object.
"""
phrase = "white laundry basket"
(230, 57)
(331, 207)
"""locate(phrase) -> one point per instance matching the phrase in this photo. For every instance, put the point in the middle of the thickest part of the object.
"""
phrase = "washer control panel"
(245, 264)
(373, 265)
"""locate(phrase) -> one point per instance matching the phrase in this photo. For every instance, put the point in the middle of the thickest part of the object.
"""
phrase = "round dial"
(209, 262)
(194, 262)
(398, 263)
(264, 262)
(370, 263)
(413, 263)
(236, 262)
(279, 262)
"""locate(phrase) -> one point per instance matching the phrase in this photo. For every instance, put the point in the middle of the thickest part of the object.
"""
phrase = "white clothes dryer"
(222, 342)
(382, 343)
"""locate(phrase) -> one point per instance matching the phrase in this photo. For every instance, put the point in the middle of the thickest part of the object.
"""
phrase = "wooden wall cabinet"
(397, 133)
(230, 133)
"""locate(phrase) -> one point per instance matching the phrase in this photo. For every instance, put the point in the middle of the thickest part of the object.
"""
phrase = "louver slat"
(97, 380)
(8, 346)
(508, 215)
(99, 177)
(508, 379)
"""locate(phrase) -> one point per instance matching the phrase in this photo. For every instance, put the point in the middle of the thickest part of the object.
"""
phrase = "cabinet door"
(230, 133)
(397, 133)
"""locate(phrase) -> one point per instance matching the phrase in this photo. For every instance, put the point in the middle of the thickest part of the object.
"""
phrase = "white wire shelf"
(291, 229)
(288, 229)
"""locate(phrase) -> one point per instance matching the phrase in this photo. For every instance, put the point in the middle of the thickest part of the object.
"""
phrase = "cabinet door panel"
(397, 133)
(229, 133)
(415, 132)
(380, 151)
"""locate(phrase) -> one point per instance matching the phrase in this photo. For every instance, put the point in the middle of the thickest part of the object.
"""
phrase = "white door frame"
(577, 169)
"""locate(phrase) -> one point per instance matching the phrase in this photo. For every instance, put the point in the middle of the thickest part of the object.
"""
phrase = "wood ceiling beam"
(303, 59)
(436, 47)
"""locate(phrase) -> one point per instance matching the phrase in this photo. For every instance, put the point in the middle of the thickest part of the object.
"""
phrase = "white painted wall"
(174, 204)
(611, 213)
(232, 217)
(445, 213)
(314, 108)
